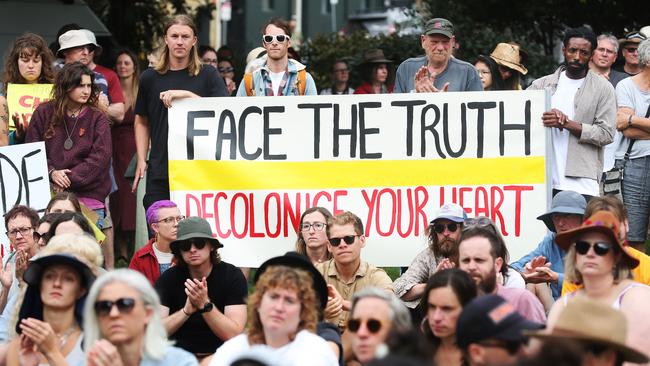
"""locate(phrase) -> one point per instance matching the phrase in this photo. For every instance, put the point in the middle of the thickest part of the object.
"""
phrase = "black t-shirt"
(226, 286)
(208, 83)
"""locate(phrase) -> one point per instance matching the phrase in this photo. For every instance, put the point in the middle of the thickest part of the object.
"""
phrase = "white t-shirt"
(276, 79)
(563, 99)
(164, 259)
(306, 349)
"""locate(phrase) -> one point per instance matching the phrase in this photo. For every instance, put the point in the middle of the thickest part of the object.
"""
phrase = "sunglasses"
(279, 37)
(373, 325)
(600, 248)
(440, 228)
(185, 246)
(224, 70)
(348, 239)
(38, 236)
(631, 49)
(124, 306)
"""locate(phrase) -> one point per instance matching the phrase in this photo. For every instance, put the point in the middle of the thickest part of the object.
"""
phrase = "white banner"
(23, 181)
(251, 166)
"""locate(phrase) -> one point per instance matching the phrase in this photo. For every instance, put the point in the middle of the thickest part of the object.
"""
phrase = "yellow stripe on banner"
(212, 175)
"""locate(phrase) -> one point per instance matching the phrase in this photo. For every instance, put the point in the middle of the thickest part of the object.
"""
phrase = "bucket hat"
(565, 202)
(509, 55)
(193, 228)
(75, 38)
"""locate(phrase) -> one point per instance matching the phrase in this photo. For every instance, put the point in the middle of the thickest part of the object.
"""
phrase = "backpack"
(301, 82)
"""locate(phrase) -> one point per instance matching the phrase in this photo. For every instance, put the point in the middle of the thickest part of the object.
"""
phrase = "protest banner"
(251, 166)
(23, 181)
(24, 98)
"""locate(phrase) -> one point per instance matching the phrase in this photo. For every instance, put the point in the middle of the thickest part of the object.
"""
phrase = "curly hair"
(27, 45)
(66, 80)
(288, 278)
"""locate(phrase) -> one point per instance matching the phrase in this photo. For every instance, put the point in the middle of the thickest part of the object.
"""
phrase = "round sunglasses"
(373, 325)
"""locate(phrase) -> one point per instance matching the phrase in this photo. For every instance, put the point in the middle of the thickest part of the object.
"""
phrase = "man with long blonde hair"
(179, 74)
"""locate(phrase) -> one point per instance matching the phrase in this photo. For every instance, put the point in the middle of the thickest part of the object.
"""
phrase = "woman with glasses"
(227, 71)
(50, 316)
(156, 256)
(599, 260)
(41, 233)
(340, 79)
(488, 71)
(123, 327)
(446, 294)
(282, 317)
(312, 234)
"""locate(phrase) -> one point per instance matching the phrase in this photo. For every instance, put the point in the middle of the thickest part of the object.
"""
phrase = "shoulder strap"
(302, 81)
(626, 157)
(248, 83)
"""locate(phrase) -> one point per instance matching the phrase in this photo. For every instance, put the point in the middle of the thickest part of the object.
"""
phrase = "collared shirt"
(549, 249)
(365, 276)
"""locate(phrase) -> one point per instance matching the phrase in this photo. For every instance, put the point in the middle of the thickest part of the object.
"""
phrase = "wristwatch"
(207, 308)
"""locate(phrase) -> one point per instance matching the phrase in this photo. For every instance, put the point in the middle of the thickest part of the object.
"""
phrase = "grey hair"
(400, 316)
(155, 337)
(644, 53)
(613, 40)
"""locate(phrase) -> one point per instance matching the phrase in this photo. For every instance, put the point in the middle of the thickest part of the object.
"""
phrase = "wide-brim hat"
(193, 228)
(255, 53)
(565, 202)
(375, 56)
(37, 265)
(602, 222)
(591, 322)
(75, 38)
(509, 55)
(297, 260)
(632, 37)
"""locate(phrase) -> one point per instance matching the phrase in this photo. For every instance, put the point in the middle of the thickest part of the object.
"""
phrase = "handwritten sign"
(24, 98)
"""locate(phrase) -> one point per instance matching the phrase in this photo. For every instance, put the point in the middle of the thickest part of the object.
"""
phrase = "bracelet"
(629, 120)
(185, 312)
(49, 174)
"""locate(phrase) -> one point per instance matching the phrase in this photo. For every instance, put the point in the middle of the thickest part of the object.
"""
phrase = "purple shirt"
(525, 302)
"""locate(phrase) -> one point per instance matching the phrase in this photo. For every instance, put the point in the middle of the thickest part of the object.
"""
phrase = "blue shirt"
(553, 254)
(174, 356)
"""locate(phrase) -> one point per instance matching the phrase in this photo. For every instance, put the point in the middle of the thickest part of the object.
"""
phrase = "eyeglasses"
(24, 231)
(124, 306)
(483, 72)
(224, 70)
(279, 37)
(209, 60)
(185, 246)
(373, 325)
(348, 239)
(318, 226)
(440, 228)
(631, 49)
(511, 347)
(38, 236)
(600, 248)
(171, 219)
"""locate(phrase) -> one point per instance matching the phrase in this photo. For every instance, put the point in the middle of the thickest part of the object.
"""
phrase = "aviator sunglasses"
(600, 248)
(124, 305)
(373, 325)
(348, 239)
(268, 38)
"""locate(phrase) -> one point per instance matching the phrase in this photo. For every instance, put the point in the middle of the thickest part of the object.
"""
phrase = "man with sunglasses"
(477, 255)
(202, 297)
(20, 223)
(629, 50)
(490, 332)
(443, 234)
(545, 264)
(346, 273)
(279, 75)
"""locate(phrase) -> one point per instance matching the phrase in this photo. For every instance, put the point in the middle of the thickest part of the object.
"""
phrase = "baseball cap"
(452, 212)
(439, 26)
(491, 317)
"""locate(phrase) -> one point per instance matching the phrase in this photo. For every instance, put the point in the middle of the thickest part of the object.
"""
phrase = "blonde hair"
(194, 67)
(82, 246)
(288, 278)
(621, 270)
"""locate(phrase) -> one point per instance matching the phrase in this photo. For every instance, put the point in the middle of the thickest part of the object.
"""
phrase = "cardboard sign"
(251, 166)
(24, 98)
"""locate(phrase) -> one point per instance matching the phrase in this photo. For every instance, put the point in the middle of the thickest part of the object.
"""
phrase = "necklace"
(68, 144)
(63, 337)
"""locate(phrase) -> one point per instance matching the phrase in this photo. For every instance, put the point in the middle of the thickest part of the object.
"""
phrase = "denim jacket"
(289, 89)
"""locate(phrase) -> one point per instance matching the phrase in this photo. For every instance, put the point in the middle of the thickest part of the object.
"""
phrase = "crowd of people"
(579, 298)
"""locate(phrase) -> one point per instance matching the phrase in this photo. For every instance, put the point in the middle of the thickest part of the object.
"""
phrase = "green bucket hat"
(193, 228)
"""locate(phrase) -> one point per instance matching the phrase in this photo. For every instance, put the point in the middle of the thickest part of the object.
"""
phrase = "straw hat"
(591, 322)
(509, 55)
(603, 222)
(632, 37)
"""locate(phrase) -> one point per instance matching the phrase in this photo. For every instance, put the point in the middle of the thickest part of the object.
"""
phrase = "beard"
(488, 283)
(447, 248)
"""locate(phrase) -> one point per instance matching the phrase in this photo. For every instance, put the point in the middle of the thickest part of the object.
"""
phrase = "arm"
(6, 279)
(116, 112)
(4, 122)
(601, 131)
(228, 324)
(634, 306)
(632, 126)
(172, 322)
(98, 159)
(409, 285)
(141, 127)
(170, 95)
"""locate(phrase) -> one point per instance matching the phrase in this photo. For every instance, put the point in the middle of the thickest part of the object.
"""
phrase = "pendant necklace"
(68, 144)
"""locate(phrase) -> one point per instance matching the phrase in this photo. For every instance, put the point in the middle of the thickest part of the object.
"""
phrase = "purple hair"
(152, 211)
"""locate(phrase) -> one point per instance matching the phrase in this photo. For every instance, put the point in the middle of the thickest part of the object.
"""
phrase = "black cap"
(491, 317)
(297, 260)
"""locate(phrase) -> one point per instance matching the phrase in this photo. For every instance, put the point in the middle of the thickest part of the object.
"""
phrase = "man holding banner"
(582, 118)
(178, 75)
